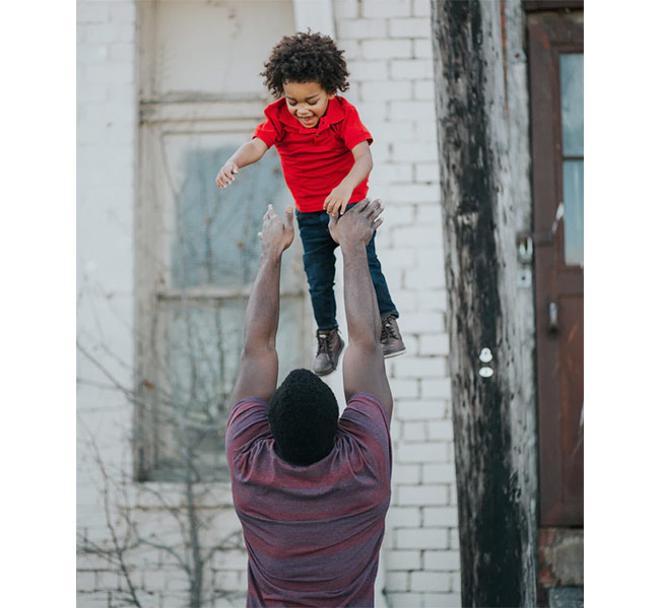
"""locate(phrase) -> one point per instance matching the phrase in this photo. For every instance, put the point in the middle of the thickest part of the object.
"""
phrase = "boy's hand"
(276, 235)
(226, 175)
(335, 203)
(358, 224)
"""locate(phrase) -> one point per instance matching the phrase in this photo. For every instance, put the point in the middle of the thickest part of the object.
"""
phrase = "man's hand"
(335, 203)
(227, 174)
(358, 224)
(276, 235)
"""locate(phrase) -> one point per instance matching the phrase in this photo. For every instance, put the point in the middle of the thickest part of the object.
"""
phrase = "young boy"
(324, 151)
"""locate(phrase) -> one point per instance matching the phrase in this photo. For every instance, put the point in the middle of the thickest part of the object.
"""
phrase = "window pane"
(216, 241)
(202, 346)
(571, 67)
(574, 212)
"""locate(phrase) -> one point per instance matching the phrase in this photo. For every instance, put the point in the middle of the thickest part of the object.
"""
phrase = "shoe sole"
(334, 369)
(396, 353)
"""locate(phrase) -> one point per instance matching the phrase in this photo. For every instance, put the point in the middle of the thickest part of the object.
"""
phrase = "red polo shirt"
(314, 161)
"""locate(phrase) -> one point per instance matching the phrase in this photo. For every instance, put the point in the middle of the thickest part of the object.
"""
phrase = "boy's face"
(307, 101)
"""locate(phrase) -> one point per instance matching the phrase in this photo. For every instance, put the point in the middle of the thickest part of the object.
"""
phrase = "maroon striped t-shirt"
(312, 533)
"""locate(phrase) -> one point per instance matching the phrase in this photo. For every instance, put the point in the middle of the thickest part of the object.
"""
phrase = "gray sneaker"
(330, 346)
(390, 337)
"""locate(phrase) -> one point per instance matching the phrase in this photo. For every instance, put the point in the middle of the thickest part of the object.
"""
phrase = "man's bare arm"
(364, 366)
(257, 374)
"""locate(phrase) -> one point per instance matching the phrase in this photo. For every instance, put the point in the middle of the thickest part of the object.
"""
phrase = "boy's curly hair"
(306, 57)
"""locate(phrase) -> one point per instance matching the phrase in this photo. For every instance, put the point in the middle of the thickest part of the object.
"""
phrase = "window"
(197, 247)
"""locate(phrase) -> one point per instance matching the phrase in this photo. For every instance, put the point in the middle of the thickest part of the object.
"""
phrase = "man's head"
(303, 417)
(308, 69)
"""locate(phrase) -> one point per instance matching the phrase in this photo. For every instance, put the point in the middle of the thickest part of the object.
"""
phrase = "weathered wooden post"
(481, 101)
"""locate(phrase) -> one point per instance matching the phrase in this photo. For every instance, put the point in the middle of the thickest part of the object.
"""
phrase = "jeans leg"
(385, 304)
(319, 263)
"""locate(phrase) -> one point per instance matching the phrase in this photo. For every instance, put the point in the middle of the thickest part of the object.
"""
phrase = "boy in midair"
(325, 156)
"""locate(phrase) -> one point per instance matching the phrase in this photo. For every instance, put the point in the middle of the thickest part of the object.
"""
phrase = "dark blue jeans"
(319, 261)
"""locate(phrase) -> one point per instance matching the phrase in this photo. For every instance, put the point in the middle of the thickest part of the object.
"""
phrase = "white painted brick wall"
(392, 85)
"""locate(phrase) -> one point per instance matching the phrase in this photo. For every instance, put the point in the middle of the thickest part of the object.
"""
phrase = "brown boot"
(329, 348)
(390, 337)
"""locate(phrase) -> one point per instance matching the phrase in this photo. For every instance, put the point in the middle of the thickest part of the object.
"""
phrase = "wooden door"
(556, 87)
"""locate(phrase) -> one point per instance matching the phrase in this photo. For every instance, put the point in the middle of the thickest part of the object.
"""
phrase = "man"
(312, 490)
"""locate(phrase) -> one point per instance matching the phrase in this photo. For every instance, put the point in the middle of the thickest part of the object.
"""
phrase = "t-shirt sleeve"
(267, 131)
(248, 422)
(364, 419)
(354, 131)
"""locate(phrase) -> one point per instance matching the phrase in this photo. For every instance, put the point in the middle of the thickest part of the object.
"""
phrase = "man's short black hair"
(303, 416)
(306, 57)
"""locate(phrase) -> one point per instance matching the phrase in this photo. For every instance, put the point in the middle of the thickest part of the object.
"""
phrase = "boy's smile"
(307, 101)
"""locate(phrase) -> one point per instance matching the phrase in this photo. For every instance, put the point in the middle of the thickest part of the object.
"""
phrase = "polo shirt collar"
(334, 113)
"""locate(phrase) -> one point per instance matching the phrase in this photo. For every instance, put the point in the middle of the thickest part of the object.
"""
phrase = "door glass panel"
(572, 121)
(574, 212)
(572, 103)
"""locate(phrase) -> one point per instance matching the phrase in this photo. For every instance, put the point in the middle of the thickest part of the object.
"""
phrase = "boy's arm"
(336, 201)
(257, 372)
(248, 153)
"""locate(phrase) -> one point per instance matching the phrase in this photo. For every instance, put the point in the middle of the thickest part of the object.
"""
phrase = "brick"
(373, 111)
(445, 517)
(415, 193)
(446, 561)
(92, 12)
(423, 90)
(434, 344)
(361, 28)
(413, 27)
(422, 453)
(411, 69)
(438, 473)
(429, 581)
(429, 214)
(397, 258)
(352, 49)
(436, 388)
(423, 279)
(346, 9)
(393, 172)
(425, 322)
(414, 431)
(422, 49)
(394, 131)
(404, 600)
(441, 429)
(398, 581)
(386, 8)
(376, 90)
(420, 538)
(398, 215)
(455, 581)
(424, 495)
(422, 8)
(404, 388)
(387, 49)
(433, 300)
(454, 542)
(406, 473)
(441, 600)
(404, 517)
(408, 410)
(414, 152)
(418, 367)
(122, 51)
(368, 70)
(403, 560)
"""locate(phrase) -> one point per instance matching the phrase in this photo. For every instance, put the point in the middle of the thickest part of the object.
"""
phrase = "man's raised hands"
(276, 235)
(358, 224)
